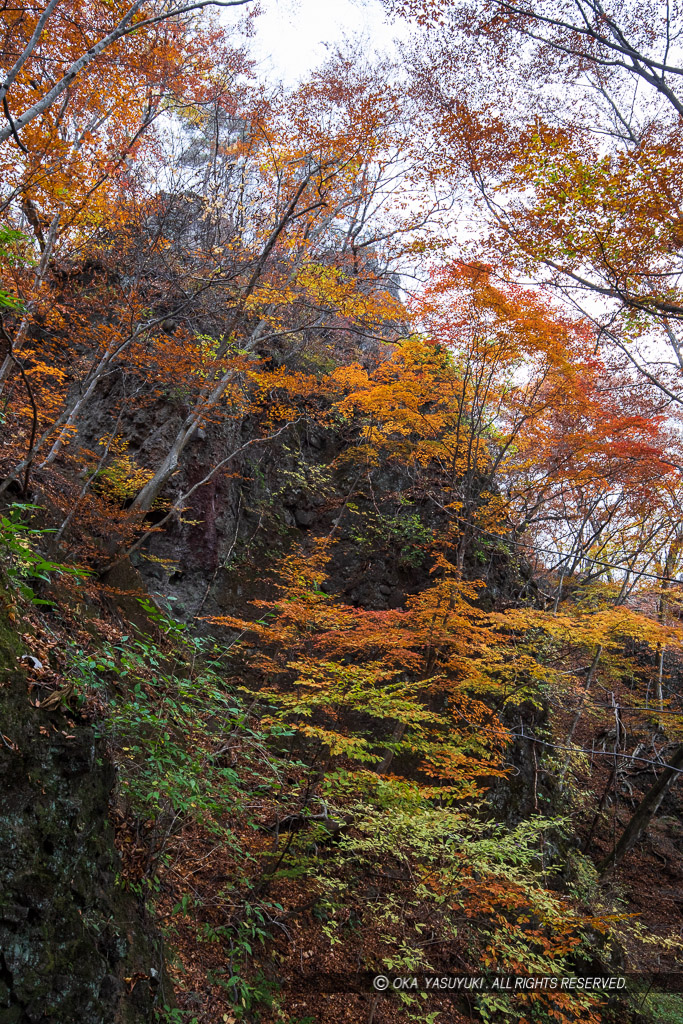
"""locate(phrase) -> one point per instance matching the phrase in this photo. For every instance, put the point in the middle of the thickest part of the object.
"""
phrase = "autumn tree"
(75, 161)
(292, 230)
(45, 52)
(567, 143)
(532, 446)
(421, 671)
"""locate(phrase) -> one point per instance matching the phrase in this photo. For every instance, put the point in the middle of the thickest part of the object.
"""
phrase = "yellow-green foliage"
(122, 478)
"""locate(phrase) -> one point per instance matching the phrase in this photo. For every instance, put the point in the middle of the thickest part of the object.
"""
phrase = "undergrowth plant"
(23, 562)
(192, 761)
(174, 726)
(464, 891)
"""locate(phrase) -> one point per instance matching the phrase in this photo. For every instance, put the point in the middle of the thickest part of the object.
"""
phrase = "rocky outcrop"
(74, 945)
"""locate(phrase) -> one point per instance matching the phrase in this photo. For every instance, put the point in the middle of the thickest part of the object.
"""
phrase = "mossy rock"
(74, 945)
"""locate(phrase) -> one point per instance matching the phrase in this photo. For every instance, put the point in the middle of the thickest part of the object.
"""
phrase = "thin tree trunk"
(214, 392)
(396, 736)
(601, 807)
(660, 677)
(589, 680)
(22, 331)
(644, 813)
(125, 27)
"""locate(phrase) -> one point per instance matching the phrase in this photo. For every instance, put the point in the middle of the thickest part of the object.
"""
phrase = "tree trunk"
(644, 812)
(586, 691)
(22, 332)
(396, 736)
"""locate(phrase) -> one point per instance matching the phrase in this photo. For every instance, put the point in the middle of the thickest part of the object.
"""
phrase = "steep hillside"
(75, 945)
(295, 817)
(341, 518)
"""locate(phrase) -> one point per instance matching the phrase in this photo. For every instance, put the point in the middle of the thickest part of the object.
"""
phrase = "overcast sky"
(293, 35)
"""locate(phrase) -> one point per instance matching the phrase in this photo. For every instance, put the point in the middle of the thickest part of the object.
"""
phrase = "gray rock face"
(74, 946)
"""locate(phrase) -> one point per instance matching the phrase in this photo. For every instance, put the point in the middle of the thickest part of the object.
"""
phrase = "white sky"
(292, 36)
